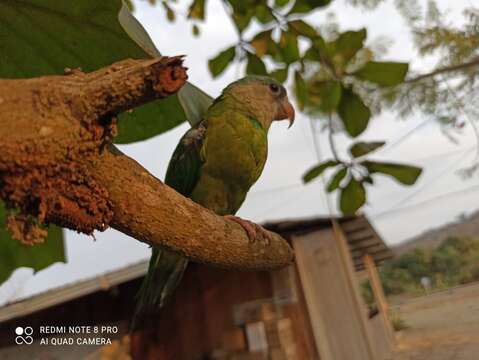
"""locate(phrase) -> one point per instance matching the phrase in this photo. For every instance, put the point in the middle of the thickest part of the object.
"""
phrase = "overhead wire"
(454, 163)
(326, 198)
(425, 202)
(403, 137)
(436, 178)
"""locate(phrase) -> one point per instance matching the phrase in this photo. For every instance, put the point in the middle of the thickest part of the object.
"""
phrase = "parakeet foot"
(252, 229)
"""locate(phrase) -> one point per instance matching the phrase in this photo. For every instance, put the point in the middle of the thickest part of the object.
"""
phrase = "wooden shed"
(310, 310)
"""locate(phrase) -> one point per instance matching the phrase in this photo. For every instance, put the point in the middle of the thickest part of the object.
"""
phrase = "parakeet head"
(262, 97)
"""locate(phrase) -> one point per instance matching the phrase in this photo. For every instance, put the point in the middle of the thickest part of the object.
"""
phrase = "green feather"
(215, 164)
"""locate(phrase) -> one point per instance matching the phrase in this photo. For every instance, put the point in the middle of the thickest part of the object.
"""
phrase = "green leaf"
(280, 3)
(242, 6)
(70, 31)
(197, 10)
(275, 51)
(353, 112)
(193, 101)
(255, 66)
(405, 174)
(352, 197)
(303, 28)
(170, 14)
(303, 6)
(383, 73)
(261, 42)
(129, 5)
(221, 61)
(325, 95)
(312, 54)
(242, 20)
(336, 179)
(137, 125)
(195, 30)
(317, 170)
(300, 89)
(343, 49)
(263, 14)
(280, 74)
(362, 148)
(136, 32)
(14, 255)
(289, 47)
(317, 48)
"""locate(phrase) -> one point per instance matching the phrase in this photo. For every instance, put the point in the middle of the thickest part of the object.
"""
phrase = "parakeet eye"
(274, 88)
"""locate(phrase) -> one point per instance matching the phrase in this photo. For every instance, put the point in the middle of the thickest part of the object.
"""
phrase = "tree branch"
(161, 216)
(459, 67)
(129, 84)
(54, 165)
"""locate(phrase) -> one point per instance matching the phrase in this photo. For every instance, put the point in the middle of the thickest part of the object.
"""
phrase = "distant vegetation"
(454, 262)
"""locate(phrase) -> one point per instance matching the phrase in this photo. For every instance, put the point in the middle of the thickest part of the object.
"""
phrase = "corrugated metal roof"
(71, 291)
(362, 240)
(360, 234)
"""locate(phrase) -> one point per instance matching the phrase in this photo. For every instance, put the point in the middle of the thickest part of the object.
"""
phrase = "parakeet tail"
(164, 274)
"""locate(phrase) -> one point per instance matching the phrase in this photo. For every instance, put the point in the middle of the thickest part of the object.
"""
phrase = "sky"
(397, 212)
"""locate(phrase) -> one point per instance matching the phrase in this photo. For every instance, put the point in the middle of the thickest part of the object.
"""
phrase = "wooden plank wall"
(193, 324)
(299, 314)
(336, 315)
(190, 327)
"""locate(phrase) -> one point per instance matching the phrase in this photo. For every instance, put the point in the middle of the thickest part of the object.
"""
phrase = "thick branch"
(54, 165)
(150, 211)
(128, 84)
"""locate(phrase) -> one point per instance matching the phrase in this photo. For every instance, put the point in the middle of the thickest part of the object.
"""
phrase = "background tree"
(452, 263)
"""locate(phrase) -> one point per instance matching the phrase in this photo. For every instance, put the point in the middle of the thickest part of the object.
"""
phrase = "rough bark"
(56, 164)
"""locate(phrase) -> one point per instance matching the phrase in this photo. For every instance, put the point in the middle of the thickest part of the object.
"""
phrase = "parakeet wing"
(185, 164)
(166, 267)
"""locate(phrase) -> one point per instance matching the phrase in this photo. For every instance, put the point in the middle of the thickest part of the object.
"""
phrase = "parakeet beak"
(286, 111)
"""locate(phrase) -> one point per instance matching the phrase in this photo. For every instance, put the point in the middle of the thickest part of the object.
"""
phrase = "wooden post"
(337, 317)
(348, 264)
(378, 292)
(320, 331)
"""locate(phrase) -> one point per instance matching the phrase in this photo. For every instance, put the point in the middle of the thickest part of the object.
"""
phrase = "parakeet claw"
(252, 229)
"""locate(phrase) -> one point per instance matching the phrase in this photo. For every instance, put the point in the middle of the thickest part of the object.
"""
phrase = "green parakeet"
(215, 164)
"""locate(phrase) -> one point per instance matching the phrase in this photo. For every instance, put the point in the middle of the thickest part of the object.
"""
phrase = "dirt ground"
(442, 326)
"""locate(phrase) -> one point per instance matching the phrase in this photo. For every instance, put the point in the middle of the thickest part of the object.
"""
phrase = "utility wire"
(404, 137)
(300, 184)
(326, 198)
(425, 202)
(437, 177)
(445, 154)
